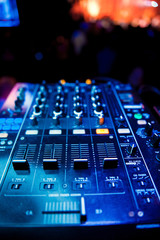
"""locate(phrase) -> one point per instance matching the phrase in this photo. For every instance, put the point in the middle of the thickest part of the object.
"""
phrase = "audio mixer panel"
(78, 154)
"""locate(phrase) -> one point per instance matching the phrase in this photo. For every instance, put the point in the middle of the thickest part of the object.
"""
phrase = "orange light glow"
(135, 12)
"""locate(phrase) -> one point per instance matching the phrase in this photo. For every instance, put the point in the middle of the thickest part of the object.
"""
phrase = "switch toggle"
(132, 149)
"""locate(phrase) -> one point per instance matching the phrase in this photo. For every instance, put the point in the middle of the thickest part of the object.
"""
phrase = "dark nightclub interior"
(53, 41)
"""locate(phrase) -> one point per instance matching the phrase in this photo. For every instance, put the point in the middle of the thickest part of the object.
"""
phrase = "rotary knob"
(37, 110)
(148, 129)
(98, 109)
(154, 142)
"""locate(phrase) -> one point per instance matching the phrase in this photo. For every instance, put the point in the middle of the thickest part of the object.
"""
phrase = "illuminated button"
(63, 81)
(3, 135)
(55, 132)
(2, 120)
(138, 116)
(10, 120)
(18, 120)
(15, 127)
(79, 131)
(6, 127)
(141, 122)
(123, 130)
(31, 132)
(88, 81)
(102, 131)
(138, 106)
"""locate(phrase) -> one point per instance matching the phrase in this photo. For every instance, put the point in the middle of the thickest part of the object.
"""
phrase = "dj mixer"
(83, 155)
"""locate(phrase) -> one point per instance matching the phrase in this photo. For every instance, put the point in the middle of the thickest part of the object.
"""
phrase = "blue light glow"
(9, 16)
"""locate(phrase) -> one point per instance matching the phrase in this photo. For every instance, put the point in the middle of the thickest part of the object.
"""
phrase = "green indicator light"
(138, 116)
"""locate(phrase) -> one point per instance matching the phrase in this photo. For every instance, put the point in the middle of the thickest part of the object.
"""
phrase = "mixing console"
(78, 154)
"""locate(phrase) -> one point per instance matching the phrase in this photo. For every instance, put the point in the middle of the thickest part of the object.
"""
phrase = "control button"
(148, 129)
(31, 132)
(141, 122)
(138, 116)
(55, 132)
(21, 164)
(123, 130)
(50, 164)
(146, 115)
(155, 140)
(132, 149)
(2, 120)
(102, 131)
(6, 127)
(79, 131)
(18, 120)
(9, 120)
(134, 106)
(80, 163)
(3, 135)
(110, 162)
(15, 127)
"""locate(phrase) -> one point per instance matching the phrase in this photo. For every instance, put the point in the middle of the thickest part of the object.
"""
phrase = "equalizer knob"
(132, 149)
(98, 109)
(37, 110)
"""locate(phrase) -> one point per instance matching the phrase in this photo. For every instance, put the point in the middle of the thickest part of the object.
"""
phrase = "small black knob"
(39, 101)
(132, 149)
(57, 108)
(155, 140)
(148, 129)
(78, 108)
(99, 107)
(37, 110)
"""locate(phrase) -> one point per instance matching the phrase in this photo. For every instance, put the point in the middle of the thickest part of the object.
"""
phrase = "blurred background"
(79, 39)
